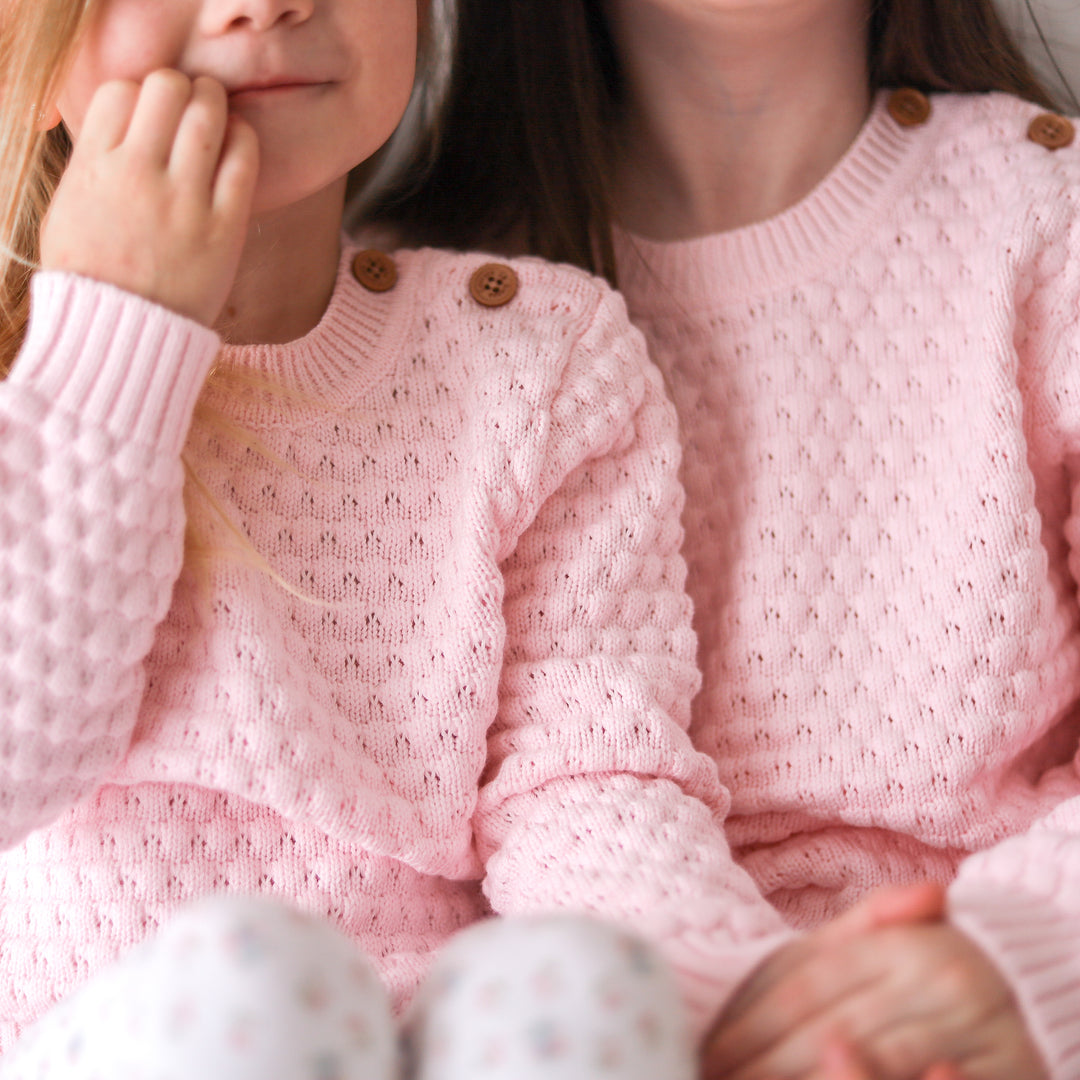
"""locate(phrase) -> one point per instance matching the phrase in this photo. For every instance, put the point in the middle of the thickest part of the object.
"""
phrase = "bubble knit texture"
(460, 681)
(879, 393)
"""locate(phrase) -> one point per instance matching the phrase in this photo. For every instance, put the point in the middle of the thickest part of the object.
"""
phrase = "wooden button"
(909, 107)
(493, 285)
(1050, 130)
(375, 270)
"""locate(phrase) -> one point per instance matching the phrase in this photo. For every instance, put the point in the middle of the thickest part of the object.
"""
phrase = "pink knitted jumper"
(879, 393)
(467, 659)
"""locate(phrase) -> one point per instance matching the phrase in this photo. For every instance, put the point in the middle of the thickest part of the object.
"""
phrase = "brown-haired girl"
(850, 231)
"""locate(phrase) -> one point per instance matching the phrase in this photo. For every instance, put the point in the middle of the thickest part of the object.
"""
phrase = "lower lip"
(271, 93)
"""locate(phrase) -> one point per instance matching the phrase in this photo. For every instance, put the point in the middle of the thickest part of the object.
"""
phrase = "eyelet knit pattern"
(465, 669)
(879, 392)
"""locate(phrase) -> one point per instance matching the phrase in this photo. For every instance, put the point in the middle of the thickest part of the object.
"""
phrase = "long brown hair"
(529, 134)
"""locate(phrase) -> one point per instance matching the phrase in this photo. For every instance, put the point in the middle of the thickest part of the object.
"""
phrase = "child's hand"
(157, 196)
(907, 995)
(727, 1044)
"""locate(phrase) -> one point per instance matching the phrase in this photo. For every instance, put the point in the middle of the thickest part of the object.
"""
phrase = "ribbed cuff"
(110, 356)
(710, 971)
(1036, 947)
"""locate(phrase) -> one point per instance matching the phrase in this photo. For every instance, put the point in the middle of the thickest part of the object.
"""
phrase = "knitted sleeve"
(1020, 899)
(594, 798)
(92, 419)
(1020, 903)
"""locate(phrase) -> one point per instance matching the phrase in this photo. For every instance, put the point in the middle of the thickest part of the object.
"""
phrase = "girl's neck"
(736, 112)
(287, 271)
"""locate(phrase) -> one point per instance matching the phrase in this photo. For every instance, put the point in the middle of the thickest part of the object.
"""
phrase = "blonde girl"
(391, 636)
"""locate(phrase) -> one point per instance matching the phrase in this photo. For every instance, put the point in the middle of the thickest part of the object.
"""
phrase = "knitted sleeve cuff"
(97, 351)
(1036, 946)
(709, 971)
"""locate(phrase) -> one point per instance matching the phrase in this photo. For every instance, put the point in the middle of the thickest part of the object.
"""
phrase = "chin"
(304, 195)
(297, 174)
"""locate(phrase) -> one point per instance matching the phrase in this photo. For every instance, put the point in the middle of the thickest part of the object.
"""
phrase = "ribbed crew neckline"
(348, 347)
(783, 249)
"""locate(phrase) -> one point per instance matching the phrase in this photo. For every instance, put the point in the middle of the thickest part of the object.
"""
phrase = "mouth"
(271, 88)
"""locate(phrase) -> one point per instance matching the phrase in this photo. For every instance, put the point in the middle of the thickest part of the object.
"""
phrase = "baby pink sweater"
(879, 392)
(460, 679)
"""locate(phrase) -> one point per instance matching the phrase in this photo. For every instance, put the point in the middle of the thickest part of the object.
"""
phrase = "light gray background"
(1060, 22)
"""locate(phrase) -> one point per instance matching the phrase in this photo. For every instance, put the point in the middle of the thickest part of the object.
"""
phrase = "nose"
(221, 16)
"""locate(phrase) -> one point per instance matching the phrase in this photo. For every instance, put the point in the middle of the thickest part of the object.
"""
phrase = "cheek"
(385, 43)
(398, 35)
(127, 40)
(74, 97)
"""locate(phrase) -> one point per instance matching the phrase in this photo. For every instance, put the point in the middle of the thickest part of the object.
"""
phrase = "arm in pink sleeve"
(92, 420)
(1020, 899)
(1020, 903)
(595, 799)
